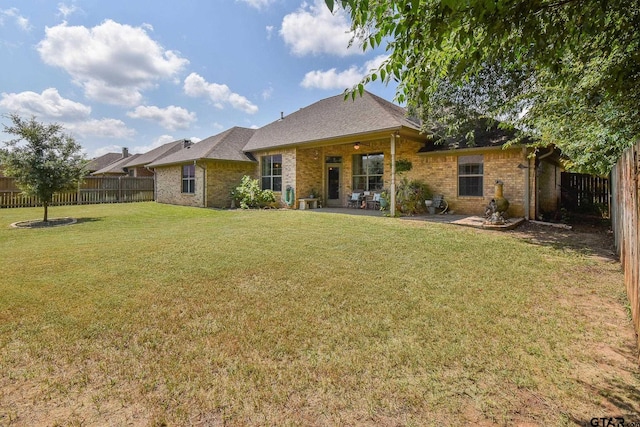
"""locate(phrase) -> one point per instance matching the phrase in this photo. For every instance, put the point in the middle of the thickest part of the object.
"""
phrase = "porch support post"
(392, 188)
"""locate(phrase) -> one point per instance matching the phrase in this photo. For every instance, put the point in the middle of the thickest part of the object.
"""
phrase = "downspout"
(392, 189)
(204, 183)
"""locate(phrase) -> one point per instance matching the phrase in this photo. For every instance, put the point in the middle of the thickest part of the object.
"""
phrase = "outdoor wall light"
(356, 146)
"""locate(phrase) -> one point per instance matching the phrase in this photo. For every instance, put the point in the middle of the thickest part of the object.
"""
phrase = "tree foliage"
(565, 72)
(41, 158)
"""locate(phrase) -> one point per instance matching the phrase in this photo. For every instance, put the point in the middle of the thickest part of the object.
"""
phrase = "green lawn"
(151, 314)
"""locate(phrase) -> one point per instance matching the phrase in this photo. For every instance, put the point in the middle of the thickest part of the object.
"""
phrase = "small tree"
(41, 159)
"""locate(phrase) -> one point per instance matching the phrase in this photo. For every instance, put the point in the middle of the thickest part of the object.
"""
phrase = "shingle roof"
(332, 118)
(103, 161)
(159, 153)
(223, 146)
(118, 166)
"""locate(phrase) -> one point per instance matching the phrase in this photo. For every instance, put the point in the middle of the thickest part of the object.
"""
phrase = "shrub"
(249, 194)
(410, 196)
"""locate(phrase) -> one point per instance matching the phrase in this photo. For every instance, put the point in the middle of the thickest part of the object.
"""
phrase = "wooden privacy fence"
(91, 190)
(584, 193)
(624, 217)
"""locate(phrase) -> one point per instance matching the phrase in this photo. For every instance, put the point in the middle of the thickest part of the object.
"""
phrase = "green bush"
(249, 195)
(410, 196)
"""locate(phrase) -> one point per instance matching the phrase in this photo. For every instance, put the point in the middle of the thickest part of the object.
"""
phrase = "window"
(368, 170)
(470, 175)
(189, 179)
(272, 172)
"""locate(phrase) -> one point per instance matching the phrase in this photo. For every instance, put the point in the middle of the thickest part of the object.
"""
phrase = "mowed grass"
(148, 314)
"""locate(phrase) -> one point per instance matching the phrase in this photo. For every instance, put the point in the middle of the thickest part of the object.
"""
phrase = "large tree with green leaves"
(565, 72)
(42, 159)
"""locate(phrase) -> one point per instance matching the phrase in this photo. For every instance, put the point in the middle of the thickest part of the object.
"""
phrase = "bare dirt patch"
(612, 375)
(587, 237)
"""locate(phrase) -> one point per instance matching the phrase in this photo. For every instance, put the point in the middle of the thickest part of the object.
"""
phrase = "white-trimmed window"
(189, 179)
(368, 171)
(272, 172)
(470, 175)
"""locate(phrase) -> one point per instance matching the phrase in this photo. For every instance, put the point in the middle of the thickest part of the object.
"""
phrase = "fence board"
(92, 190)
(625, 220)
(585, 193)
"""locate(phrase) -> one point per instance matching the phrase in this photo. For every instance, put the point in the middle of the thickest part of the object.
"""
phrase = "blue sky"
(138, 74)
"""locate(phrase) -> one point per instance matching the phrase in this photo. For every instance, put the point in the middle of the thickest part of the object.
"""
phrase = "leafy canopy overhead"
(41, 158)
(565, 72)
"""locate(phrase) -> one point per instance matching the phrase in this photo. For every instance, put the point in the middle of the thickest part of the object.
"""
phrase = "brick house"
(335, 146)
(203, 174)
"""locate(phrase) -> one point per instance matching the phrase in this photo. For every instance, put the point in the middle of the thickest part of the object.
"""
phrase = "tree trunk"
(46, 211)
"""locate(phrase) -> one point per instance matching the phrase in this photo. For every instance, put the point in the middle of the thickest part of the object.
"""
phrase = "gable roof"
(100, 162)
(159, 153)
(116, 167)
(226, 145)
(332, 118)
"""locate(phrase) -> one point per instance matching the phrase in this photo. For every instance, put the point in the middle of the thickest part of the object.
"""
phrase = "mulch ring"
(38, 223)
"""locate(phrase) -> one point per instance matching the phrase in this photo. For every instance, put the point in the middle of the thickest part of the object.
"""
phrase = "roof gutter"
(335, 140)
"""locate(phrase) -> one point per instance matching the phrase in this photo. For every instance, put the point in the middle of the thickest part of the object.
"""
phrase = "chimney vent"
(281, 115)
(186, 143)
(125, 152)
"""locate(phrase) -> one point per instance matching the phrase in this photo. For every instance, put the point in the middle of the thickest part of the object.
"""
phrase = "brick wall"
(305, 169)
(440, 172)
(223, 177)
(289, 167)
(169, 187)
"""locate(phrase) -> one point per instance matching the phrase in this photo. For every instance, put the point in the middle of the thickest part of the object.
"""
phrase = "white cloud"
(170, 118)
(75, 117)
(258, 4)
(101, 128)
(48, 104)
(65, 10)
(13, 13)
(266, 94)
(114, 63)
(196, 86)
(313, 29)
(269, 29)
(333, 79)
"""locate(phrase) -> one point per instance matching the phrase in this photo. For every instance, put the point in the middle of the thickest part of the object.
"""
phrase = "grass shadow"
(588, 241)
(90, 219)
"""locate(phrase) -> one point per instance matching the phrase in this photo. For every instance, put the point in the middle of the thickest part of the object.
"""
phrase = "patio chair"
(354, 200)
(374, 202)
(440, 205)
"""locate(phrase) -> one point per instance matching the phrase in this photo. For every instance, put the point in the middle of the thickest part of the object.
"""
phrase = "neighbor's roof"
(159, 153)
(103, 161)
(223, 146)
(330, 118)
(117, 167)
